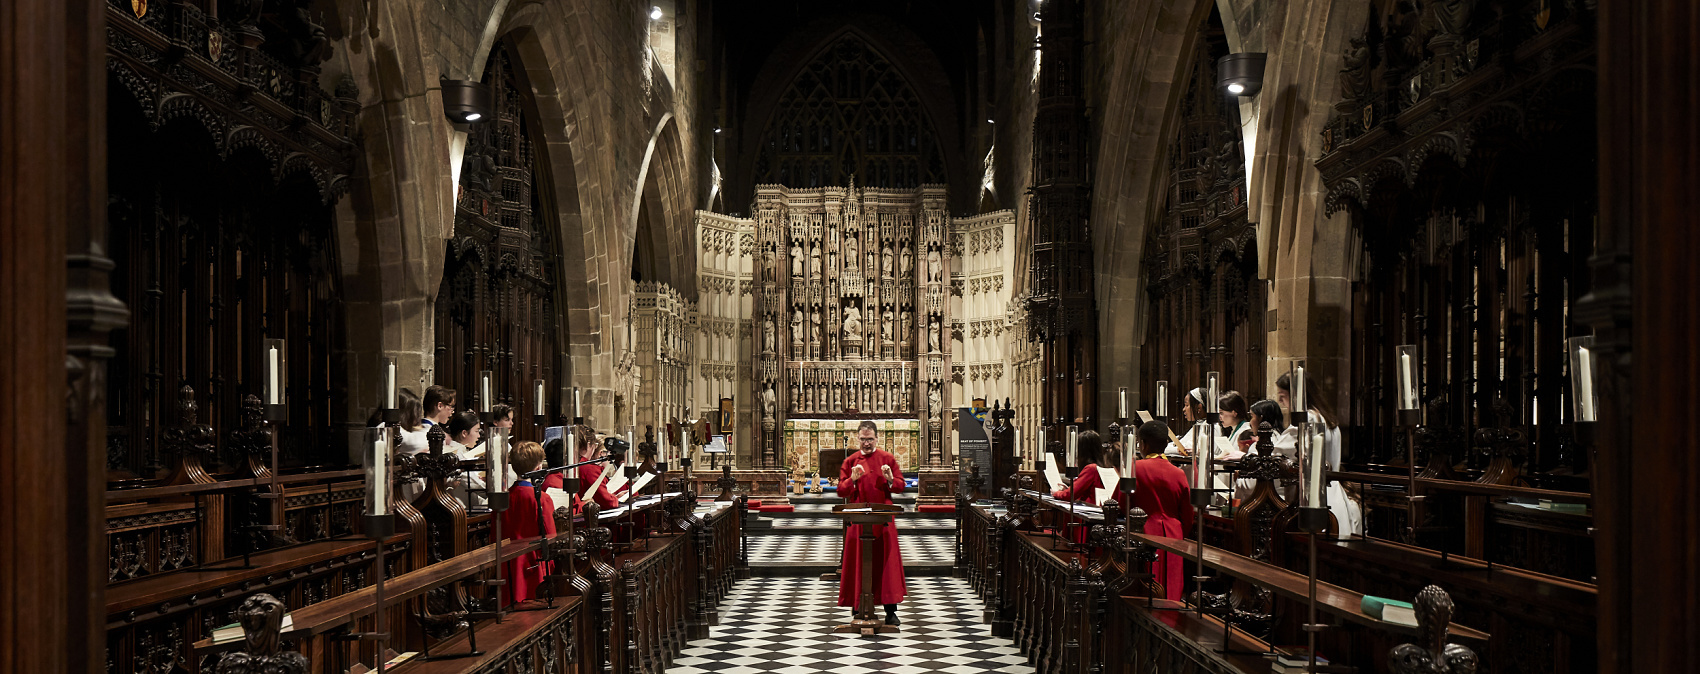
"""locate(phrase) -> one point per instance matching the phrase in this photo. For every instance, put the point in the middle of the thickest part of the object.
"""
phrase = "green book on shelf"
(1390, 610)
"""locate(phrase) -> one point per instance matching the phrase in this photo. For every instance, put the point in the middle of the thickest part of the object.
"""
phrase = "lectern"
(867, 622)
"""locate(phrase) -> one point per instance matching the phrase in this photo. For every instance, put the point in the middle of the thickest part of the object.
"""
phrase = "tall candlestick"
(1163, 398)
(273, 392)
(572, 452)
(1129, 451)
(389, 402)
(1407, 377)
(1073, 457)
(1044, 449)
(377, 463)
(1019, 450)
(1121, 407)
(1582, 379)
(1212, 392)
(1296, 394)
(1203, 453)
(1319, 450)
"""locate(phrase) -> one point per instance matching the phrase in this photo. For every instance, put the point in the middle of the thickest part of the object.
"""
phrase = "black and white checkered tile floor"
(784, 625)
(826, 549)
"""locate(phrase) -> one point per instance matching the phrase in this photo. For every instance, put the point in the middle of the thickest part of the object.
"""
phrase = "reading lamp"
(1241, 74)
(465, 101)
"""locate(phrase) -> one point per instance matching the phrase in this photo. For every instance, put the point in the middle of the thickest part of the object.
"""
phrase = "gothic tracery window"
(496, 307)
(850, 112)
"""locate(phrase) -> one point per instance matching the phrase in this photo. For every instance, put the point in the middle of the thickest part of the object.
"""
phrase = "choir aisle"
(784, 625)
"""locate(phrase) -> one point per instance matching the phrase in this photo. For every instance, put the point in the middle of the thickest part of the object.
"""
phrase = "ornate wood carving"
(1207, 302)
(497, 306)
(1062, 312)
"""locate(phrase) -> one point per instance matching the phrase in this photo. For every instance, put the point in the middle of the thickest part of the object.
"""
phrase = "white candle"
(1044, 449)
(1202, 453)
(1019, 450)
(1407, 385)
(955, 442)
(571, 453)
(273, 395)
(537, 405)
(484, 383)
(1585, 375)
(1121, 408)
(1296, 396)
(380, 476)
(578, 412)
(1213, 393)
(389, 384)
(1163, 398)
(1073, 457)
(1318, 453)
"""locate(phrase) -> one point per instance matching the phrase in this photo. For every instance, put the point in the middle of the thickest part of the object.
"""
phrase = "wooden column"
(1649, 164)
(52, 353)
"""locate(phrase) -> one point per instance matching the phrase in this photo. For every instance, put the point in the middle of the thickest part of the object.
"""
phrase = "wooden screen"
(496, 309)
(1206, 301)
(215, 254)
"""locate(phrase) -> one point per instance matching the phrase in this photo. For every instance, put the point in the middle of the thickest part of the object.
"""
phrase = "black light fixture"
(1241, 74)
(465, 101)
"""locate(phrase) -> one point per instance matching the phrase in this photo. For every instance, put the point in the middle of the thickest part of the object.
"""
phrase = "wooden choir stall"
(629, 586)
(1095, 607)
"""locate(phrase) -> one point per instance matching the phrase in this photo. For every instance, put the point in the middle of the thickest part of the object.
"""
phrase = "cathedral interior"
(1227, 336)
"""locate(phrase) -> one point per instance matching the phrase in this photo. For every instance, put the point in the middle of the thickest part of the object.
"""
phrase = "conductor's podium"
(866, 622)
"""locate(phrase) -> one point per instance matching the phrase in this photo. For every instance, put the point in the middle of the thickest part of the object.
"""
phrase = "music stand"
(866, 622)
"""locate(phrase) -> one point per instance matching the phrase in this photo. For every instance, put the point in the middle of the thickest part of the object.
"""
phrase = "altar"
(804, 438)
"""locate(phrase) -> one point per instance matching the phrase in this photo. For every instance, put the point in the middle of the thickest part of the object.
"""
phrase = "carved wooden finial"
(435, 438)
(261, 617)
(1433, 655)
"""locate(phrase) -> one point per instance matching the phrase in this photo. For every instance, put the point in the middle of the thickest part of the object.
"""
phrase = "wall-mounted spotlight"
(717, 129)
(1241, 74)
(655, 13)
(465, 101)
(990, 122)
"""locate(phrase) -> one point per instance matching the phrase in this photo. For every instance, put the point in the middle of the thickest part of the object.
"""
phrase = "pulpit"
(866, 622)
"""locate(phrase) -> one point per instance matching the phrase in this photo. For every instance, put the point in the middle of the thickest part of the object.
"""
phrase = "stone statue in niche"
(768, 402)
(934, 404)
(1451, 17)
(885, 261)
(1354, 73)
(885, 326)
(797, 327)
(933, 334)
(814, 320)
(814, 261)
(849, 249)
(796, 260)
(935, 267)
(767, 330)
(767, 264)
(852, 326)
(904, 330)
(906, 265)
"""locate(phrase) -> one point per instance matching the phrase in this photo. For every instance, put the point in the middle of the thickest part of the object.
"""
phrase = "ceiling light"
(465, 101)
(1241, 74)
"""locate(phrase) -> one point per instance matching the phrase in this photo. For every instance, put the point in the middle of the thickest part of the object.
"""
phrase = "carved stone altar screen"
(851, 298)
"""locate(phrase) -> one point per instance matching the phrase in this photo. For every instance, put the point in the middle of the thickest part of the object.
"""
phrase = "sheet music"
(1109, 478)
(642, 481)
(594, 485)
(1053, 475)
(619, 479)
(1145, 417)
(557, 496)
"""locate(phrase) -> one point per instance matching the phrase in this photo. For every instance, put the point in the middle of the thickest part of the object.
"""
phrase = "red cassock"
(1164, 495)
(520, 520)
(1085, 489)
(888, 560)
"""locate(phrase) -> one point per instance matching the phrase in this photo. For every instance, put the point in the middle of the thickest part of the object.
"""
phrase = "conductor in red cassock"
(871, 475)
